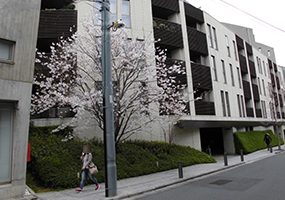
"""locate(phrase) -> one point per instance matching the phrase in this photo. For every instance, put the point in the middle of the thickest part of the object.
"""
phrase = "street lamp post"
(109, 138)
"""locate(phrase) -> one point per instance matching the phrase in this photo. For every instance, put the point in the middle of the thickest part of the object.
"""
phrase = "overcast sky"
(272, 11)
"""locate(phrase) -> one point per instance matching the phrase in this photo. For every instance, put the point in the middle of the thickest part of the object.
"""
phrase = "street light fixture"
(108, 112)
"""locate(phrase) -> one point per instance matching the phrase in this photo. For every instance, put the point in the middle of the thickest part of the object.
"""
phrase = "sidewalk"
(134, 186)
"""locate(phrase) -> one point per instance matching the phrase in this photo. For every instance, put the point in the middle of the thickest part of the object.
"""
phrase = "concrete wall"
(228, 136)
(19, 23)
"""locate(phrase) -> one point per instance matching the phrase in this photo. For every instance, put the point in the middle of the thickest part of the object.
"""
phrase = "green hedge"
(253, 141)
(55, 163)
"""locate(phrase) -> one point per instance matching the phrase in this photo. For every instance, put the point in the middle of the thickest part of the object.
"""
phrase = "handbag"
(93, 170)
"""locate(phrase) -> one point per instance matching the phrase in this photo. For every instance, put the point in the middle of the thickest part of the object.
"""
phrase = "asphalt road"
(261, 180)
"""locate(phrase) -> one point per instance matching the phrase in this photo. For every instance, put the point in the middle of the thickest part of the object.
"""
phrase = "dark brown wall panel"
(283, 115)
(275, 67)
(169, 33)
(277, 82)
(201, 76)
(167, 4)
(181, 79)
(249, 112)
(258, 112)
(204, 108)
(252, 68)
(243, 65)
(270, 63)
(255, 91)
(56, 23)
(249, 49)
(239, 42)
(193, 13)
(273, 80)
(280, 100)
(246, 89)
(197, 41)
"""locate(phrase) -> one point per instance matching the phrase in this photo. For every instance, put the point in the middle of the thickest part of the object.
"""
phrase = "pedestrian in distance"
(86, 165)
(267, 139)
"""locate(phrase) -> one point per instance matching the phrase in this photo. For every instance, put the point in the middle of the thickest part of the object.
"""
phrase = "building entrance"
(212, 138)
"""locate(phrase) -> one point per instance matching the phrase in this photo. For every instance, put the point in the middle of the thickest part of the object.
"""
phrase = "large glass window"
(228, 104)
(223, 104)
(224, 71)
(126, 13)
(215, 38)
(239, 78)
(239, 106)
(6, 50)
(6, 110)
(228, 46)
(214, 70)
(232, 75)
(235, 50)
(210, 39)
(243, 107)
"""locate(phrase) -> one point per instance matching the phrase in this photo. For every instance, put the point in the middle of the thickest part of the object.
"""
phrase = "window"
(228, 46)
(259, 88)
(263, 109)
(239, 78)
(210, 39)
(235, 50)
(223, 104)
(126, 13)
(264, 90)
(113, 12)
(144, 100)
(6, 51)
(232, 75)
(228, 104)
(6, 110)
(259, 49)
(264, 68)
(268, 53)
(224, 71)
(215, 38)
(242, 103)
(214, 70)
(239, 106)
(260, 65)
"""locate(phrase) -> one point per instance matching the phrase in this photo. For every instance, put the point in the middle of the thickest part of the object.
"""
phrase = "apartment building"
(225, 66)
(18, 35)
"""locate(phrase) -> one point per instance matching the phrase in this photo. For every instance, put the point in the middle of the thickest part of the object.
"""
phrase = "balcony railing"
(243, 65)
(193, 13)
(181, 79)
(239, 42)
(258, 112)
(197, 41)
(249, 49)
(283, 115)
(270, 63)
(281, 100)
(246, 89)
(205, 108)
(255, 91)
(170, 5)
(277, 82)
(169, 33)
(201, 76)
(249, 112)
(56, 23)
(278, 115)
(252, 68)
(273, 80)
(275, 67)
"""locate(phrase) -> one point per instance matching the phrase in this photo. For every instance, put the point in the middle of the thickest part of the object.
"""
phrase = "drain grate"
(221, 182)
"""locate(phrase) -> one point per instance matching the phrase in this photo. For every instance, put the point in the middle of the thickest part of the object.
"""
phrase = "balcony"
(275, 67)
(255, 91)
(197, 41)
(246, 90)
(163, 9)
(201, 76)
(270, 63)
(272, 80)
(258, 113)
(239, 42)
(243, 65)
(169, 33)
(278, 82)
(278, 115)
(56, 23)
(181, 79)
(249, 112)
(205, 108)
(193, 14)
(281, 100)
(252, 68)
(249, 49)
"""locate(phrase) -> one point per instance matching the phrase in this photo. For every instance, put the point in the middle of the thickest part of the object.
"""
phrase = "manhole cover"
(221, 182)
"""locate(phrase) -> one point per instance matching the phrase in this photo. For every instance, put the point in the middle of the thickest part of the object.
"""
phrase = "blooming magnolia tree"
(142, 90)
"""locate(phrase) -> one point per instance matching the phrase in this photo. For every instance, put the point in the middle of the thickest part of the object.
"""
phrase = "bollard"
(180, 169)
(241, 155)
(271, 151)
(225, 159)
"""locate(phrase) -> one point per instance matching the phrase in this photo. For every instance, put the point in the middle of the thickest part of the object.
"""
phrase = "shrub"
(253, 141)
(55, 163)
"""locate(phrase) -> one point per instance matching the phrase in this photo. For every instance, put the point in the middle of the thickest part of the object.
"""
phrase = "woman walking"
(87, 164)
